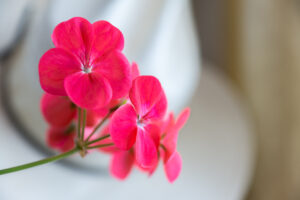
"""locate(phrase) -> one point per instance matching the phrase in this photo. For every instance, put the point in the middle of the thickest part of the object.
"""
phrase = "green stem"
(98, 139)
(100, 146)
(98, 126)
(37, 163)
(79, 123)
(113, 109)
(83, 125)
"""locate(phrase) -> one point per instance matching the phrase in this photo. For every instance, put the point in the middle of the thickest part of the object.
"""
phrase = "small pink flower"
(61, 138)
(86, 64)
(134, 124)
(58, 111)
(171, 158)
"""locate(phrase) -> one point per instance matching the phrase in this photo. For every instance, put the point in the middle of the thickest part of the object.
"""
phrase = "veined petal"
(121, 164)
(74, 35)
(54, 66)
(88, 90)
(146, 150)
(106, 38)
(116, 69)
(173, 167)
(123, 127)
(58, 111)
(154, 132)
(148, 97)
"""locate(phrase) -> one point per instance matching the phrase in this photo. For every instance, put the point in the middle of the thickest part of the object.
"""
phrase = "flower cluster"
(89, 83)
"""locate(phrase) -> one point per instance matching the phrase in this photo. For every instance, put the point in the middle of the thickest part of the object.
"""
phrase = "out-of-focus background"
(235, 63)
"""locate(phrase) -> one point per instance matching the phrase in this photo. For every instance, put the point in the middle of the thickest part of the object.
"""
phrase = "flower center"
(87, 69)
(140, 123)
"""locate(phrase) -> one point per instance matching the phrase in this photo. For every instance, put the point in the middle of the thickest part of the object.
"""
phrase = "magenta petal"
(173, 167)
(74, 35)
(123, 127)
(54, 66)
(135, 72)
(88, 90)
(106, 38)
(146, 150)
(53, 106)
(121, 164)
(116, 69)
(148, 97)
(182, 118)
(154, 132)
(60, 139)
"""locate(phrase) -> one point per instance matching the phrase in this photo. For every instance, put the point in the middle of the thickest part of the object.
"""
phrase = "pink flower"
(171, 158)
(134, 124)
(86, 64)
(61, 138)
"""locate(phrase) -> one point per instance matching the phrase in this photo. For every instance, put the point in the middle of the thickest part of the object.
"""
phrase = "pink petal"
(123, 127)
(74, 35)
(57, 110)
(148, 97)
(135, 72)
(146, 150)
(116, 69)
(106, 39)
(166, 124)
(121, 164)
(54, 66)
(170, 141)
(60, 139)
(88, 90)
(154, 132)
(182, 118)
(173, 167)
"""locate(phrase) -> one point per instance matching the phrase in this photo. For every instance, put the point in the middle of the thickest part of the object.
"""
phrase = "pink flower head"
(134, 123)
(58, 111)
(86, 64)
(61, 138)
(171, 158)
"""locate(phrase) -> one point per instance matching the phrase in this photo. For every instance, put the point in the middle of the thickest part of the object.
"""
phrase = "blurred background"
(233, 62)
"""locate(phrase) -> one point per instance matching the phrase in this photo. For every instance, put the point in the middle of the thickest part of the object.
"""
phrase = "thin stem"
(79, 123)
(100, 146)
(83, 125)
(98, 139)
(98, 126)
(37, 163)
(113, 109)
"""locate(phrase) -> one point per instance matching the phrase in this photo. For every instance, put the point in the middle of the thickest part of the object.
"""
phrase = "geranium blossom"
(86, 64)
(134, 123)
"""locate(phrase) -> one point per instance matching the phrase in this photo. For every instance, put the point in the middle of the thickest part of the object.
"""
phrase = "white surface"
(216, 146)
